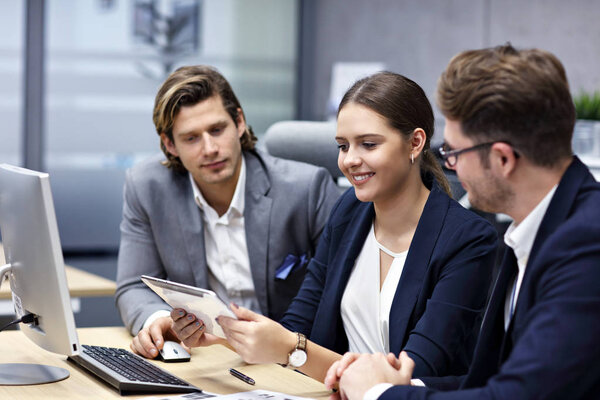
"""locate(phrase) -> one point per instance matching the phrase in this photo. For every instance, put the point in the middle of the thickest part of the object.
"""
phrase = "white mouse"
(173, 352)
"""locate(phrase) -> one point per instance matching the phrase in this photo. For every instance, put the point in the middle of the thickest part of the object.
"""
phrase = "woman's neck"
(396, 218)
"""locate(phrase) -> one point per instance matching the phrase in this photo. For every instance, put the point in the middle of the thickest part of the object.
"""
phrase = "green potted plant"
(586, 136)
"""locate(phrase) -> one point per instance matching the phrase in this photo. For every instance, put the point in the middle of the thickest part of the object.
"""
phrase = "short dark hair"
(518, 96)
(188, 86)
(405, 107)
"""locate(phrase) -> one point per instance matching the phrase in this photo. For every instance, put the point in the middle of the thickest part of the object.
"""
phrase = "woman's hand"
(256, 338)
(191, 331)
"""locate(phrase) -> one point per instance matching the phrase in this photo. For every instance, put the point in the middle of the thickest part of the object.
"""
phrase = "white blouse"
(365, 309)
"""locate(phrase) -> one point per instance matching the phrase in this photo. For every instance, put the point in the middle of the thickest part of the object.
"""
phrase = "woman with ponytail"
(399, 266)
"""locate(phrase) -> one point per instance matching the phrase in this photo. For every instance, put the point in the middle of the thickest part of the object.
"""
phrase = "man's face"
(486, 190)
(207, 141)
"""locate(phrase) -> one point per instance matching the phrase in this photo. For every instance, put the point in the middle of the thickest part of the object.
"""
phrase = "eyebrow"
(363, 136)
(218, 124)
(448, 145)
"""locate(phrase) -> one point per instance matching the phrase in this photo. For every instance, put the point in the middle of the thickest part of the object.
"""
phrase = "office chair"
(307, 141)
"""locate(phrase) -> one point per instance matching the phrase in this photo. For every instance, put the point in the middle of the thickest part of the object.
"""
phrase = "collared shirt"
(226, 251)
(520, 238)
(225, 247)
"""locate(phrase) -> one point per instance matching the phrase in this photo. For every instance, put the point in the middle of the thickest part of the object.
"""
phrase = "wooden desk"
(208, 370)
(81, 283)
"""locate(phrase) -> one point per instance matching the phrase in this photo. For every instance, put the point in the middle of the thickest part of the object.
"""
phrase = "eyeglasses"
(450, 157)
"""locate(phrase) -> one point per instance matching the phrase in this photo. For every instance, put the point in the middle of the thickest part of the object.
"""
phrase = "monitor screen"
(34, 261)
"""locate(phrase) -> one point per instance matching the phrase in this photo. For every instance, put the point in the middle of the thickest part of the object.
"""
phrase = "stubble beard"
(490, 194)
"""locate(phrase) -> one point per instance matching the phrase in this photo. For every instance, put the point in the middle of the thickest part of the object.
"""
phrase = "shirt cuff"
(417, 382)
(376, 391)
(154, 316)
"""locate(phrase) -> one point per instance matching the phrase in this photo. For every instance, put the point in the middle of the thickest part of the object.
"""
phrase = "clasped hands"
(354, 374)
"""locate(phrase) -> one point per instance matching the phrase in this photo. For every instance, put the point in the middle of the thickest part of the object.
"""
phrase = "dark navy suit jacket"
(552, 346)
(440, 295)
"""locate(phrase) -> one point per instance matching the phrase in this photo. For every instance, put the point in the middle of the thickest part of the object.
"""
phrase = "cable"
(26, 319)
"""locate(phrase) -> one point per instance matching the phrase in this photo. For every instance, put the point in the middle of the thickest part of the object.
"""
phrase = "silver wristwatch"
(297, 357)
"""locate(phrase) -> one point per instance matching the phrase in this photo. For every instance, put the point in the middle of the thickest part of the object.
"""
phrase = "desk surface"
(208, 370)
(81, 283)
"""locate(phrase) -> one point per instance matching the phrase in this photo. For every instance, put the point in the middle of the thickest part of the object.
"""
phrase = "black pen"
(241, 376)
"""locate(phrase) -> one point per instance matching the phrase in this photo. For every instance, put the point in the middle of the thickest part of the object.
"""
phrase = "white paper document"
(204, 304)
(252, 395)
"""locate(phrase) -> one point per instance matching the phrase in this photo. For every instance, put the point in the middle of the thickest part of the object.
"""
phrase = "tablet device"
(203, 303)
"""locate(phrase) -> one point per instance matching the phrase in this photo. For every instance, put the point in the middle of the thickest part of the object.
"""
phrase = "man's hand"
(256, 338)
(337, 369)
(191, 330)
(369, 370)
(150, 340)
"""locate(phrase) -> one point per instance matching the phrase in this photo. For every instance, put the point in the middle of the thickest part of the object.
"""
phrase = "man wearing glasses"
(509, 123)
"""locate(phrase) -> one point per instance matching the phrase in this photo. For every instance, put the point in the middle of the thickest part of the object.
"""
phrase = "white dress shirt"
(520, 238)
(227, 258)
(365, 308)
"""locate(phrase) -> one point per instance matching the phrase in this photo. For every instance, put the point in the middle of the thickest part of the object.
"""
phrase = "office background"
(105, 59)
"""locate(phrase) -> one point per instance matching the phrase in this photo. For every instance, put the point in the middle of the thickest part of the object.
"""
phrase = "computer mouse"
(173, 352)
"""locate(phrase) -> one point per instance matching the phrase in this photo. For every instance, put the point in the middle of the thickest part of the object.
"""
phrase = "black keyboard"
(128, 372)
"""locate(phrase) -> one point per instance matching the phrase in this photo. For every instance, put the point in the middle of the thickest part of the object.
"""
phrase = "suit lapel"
(416, 265)
(558, 211)
(257, 210)
(192, 229)
(351, 243)
(560, 205)
(486, 357)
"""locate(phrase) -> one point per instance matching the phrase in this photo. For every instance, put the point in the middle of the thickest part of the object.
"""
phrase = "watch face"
(297, 358)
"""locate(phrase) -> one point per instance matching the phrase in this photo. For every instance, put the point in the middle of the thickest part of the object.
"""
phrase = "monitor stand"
(28, 374)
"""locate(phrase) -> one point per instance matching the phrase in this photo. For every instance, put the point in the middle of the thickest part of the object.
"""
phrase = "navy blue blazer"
(551, 349)
(440, 295)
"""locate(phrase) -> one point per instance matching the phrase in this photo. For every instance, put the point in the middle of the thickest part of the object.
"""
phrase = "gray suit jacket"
(162, 235)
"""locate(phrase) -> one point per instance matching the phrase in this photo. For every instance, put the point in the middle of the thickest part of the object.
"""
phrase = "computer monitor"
(35, 267)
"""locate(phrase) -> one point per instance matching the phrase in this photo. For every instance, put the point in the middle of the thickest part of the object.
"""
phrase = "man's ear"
(241, 122)
(503, 157)
(169, 145)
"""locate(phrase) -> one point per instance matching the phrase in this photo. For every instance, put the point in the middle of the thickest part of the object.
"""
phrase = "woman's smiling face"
(373, 156)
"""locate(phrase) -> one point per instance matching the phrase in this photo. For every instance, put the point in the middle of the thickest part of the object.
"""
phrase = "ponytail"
(430, 164)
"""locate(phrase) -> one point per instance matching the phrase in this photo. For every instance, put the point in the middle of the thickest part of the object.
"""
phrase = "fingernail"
(181, 313)
(235, 306)
(153, 351)
(190, 317)
(158, 341)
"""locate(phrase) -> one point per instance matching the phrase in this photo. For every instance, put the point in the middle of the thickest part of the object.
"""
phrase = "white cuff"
(416, 382)
(154, 316)
(376, 391)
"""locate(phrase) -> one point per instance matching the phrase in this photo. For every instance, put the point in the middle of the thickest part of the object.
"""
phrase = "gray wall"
(417, 38)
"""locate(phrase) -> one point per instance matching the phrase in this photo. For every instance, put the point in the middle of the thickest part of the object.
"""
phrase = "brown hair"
(405, 107)
(518, 96)
(188, 86)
